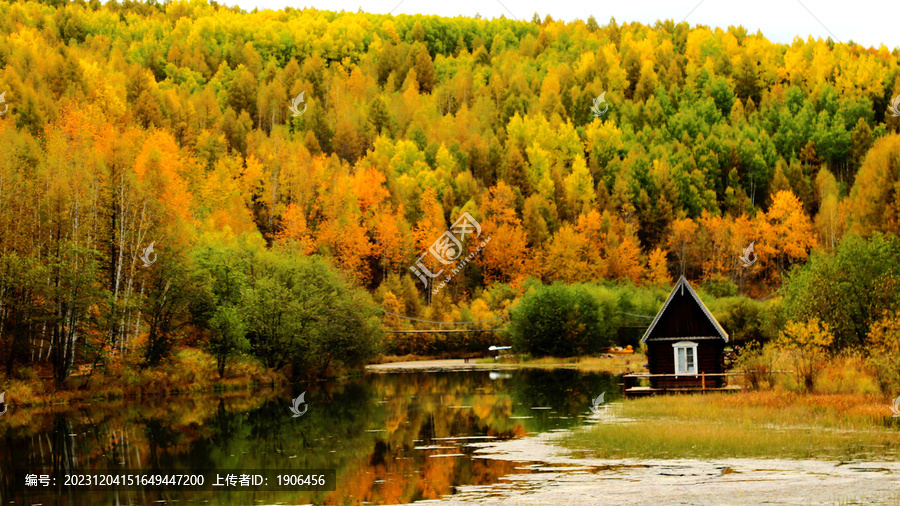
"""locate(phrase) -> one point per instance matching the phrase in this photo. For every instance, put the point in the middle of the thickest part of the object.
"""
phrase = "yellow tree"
(874, 205)
(625, 259)
(564, 258)
(807, 344)
(387, 226)
(717, 257)
(681, 241)
(579, 187)
(593, 232)
(294, 231)
(659, 268)
(429, 228)
(224, 207)
(550, 104)
(830, 221)
(623, 252)
(741, 235)
(342, 231)
(506, 257)
(392, 239)
(162, 168)
(785, 231)
(743, 231)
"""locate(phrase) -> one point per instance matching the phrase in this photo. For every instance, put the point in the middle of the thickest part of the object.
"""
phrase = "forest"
(290, 236)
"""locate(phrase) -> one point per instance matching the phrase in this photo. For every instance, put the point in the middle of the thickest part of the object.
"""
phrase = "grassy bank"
(188, 370)
(751, 424)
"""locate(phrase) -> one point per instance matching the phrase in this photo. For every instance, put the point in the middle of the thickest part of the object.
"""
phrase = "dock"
(697, 383)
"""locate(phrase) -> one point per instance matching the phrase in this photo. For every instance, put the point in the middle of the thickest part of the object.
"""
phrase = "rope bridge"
(444, 331)
(449, 331)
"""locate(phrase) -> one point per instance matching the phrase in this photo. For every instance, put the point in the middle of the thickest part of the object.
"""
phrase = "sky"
(866, 22)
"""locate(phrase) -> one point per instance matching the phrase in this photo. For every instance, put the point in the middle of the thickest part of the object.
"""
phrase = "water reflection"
(393, 438)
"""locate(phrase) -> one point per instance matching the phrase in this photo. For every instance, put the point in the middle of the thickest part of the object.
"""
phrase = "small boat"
(620, 351)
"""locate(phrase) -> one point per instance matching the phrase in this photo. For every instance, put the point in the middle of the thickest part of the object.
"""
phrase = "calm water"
(392, 438)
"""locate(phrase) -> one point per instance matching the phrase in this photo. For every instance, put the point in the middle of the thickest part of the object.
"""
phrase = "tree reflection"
(391, 437)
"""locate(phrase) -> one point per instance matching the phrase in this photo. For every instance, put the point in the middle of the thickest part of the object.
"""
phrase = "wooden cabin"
(685, 343)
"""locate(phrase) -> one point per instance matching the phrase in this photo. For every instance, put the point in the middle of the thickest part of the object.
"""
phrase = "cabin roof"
(684, 316)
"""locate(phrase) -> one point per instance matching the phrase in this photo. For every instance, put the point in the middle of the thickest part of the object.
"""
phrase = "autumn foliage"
(138, 123)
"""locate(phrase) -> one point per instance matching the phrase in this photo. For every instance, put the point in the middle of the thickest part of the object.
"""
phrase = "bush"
(303, 312)
(807, 344)
(559, 320)
(499, 296)
(849, 289)
(249, 367)
(884, 341)
(757, 363)
(645, 300)
(228, 336)
(719, 286)
(745, 319)
(189, 369)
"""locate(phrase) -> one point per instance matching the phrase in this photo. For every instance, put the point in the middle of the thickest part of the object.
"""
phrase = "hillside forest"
(288, 168)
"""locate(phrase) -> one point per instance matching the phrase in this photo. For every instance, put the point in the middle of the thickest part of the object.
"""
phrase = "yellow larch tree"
(505, 258)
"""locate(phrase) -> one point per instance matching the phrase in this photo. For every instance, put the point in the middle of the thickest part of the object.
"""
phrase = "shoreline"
(73, 394)
(616, 365)
(452, 364)
(75, 398)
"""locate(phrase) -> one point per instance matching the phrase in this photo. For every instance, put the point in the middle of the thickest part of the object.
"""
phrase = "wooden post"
(703, 380)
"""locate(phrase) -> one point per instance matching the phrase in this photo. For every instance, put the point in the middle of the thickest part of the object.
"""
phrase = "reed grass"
(752, 425)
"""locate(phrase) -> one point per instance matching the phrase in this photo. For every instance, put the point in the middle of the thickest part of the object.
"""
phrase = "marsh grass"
(750, 425)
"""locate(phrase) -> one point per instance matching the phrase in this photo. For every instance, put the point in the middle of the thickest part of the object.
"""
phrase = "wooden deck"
(644, 391)
(632, 389)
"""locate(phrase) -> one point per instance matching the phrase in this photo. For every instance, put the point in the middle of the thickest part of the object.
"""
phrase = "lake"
(391, 438)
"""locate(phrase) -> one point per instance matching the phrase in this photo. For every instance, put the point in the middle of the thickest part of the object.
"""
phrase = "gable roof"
(684, 315)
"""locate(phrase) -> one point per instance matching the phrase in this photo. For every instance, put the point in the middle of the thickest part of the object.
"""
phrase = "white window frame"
(685, 345)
